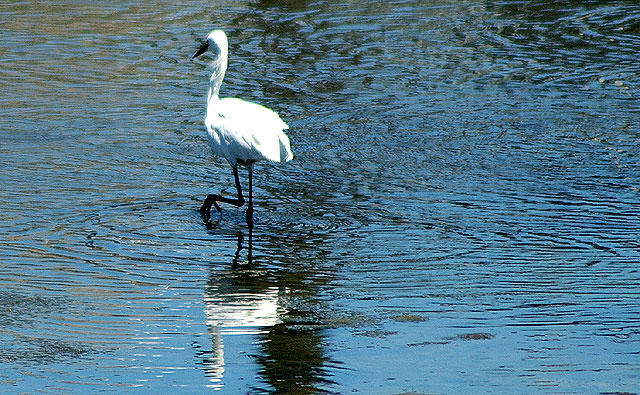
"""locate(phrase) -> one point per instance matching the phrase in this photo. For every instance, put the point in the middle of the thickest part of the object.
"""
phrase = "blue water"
(461, 216)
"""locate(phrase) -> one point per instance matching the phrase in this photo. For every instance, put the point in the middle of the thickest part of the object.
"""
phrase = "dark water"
(462, 214)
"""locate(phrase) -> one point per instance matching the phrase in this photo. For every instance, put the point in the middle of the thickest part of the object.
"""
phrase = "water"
(461, 216)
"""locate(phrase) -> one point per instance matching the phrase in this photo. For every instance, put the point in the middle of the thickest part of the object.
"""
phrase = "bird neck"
(219, 67)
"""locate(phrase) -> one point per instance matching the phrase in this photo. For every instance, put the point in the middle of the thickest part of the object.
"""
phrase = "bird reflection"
(250, 300)
(237, 303)
(237, 256)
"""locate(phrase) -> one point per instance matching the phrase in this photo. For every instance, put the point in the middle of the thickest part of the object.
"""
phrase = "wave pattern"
(465, 184)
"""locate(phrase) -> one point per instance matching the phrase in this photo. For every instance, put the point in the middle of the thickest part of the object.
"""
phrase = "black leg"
(212, 199)
(250, 209)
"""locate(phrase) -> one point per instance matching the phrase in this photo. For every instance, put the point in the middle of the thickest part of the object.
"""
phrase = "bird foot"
(205, 209)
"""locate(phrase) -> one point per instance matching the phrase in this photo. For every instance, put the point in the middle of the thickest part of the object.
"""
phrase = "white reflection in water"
(239, 312)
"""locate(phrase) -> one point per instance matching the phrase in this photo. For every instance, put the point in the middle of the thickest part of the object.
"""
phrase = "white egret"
(240, 131)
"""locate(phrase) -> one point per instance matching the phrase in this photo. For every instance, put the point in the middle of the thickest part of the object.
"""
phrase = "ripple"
(575, 45)
(463, 171)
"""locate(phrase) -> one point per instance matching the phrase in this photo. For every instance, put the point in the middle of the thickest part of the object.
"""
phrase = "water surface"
(461, 216)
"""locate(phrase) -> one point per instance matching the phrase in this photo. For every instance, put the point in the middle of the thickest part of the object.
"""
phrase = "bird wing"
(245, 131)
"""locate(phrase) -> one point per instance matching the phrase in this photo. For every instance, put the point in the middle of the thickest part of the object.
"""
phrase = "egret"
(240, 131)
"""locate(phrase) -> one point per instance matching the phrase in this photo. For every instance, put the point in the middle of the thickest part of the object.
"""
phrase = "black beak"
(202, 50)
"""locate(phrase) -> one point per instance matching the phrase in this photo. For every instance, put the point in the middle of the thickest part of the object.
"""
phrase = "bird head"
(216, 43)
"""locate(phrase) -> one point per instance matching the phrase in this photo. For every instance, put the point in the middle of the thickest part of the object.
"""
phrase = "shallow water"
(461, 216)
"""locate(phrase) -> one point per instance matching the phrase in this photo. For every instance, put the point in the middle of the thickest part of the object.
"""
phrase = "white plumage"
(240, 131)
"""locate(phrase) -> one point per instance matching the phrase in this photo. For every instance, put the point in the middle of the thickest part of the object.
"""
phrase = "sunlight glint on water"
(464, 197)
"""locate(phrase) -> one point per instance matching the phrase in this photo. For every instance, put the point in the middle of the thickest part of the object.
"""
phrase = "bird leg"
(213, 199)
(250, 209)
